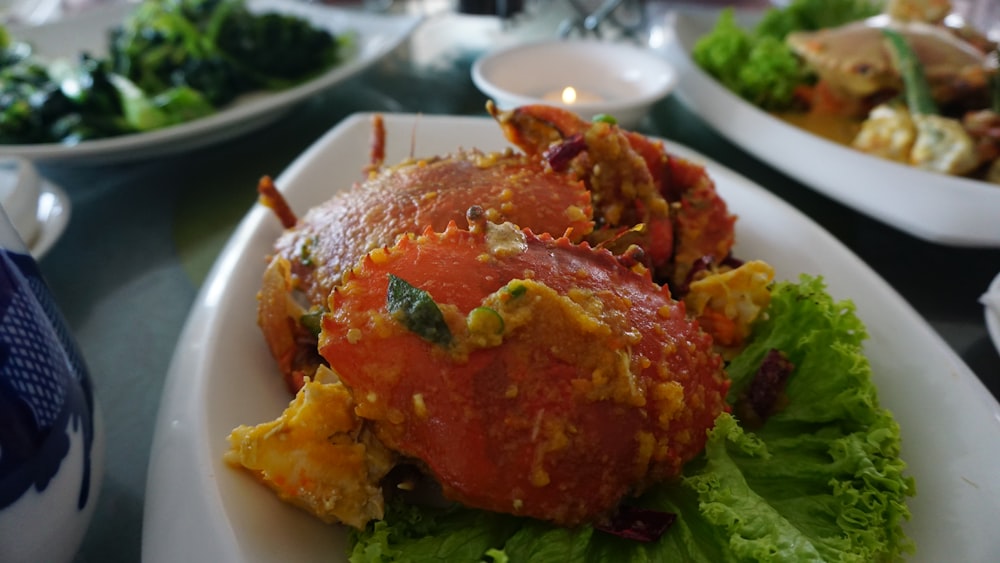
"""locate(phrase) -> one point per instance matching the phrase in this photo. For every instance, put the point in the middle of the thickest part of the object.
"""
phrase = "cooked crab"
(590, 181)
(315, 250)
(495, 359)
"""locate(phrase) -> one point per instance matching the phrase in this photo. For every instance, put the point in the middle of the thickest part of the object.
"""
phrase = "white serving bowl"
(618, 79)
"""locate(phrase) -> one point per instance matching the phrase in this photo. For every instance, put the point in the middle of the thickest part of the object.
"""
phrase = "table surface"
(143, 235)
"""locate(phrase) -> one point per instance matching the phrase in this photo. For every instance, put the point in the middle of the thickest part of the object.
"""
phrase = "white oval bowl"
(628, 79)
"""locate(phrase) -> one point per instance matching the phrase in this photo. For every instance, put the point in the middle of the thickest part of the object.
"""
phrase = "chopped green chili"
(604, 118)
(485, 320)
(517, 290)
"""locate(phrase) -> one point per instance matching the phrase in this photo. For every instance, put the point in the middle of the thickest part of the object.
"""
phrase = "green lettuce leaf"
(828, 464)
(821, 480)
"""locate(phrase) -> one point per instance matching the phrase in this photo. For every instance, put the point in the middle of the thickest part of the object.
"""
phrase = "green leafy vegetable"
(760, 69)
(170, 61)
(820, 480)
(276, 50)
(809, 15)
(217, 47)
(829, 461)
(755, 63)
(418, 312)
(412, 533)
(170, 107)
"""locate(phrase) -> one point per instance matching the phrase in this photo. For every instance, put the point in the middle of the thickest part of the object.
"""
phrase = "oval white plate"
(374, 36)
(934, 207)
(199, 509)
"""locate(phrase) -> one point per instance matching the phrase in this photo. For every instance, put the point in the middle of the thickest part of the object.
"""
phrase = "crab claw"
(527, 374)
(633, 180)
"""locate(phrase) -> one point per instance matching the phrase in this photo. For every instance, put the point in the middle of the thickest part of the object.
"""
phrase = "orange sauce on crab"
(836, 128)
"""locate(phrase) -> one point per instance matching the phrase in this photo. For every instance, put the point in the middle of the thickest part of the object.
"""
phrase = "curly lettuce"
(761, 70)
(820, 480)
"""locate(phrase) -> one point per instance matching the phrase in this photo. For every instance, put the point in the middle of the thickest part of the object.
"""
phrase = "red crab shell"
(421, 193)
(599, 385)
(311, 256)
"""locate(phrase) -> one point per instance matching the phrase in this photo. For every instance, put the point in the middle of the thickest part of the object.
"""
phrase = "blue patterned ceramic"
(51, 440)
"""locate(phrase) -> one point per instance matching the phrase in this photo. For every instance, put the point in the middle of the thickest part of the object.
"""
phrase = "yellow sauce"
(834, 128)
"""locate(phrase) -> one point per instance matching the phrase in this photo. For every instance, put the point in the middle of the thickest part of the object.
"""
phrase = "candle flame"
(569, 95)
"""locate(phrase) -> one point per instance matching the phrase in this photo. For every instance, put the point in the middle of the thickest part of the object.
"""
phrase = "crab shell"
(594, 384)
(431, 192)
(328, 240)
(855, 60)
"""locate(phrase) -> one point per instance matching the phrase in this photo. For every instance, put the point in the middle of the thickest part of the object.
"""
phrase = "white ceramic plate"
(374, 36)
(199, 509)
(935, 207)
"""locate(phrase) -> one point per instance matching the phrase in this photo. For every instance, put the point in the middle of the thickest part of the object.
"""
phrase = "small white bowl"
(617, 79)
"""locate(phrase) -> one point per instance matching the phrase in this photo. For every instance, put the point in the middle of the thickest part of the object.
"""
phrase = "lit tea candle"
(570, 95)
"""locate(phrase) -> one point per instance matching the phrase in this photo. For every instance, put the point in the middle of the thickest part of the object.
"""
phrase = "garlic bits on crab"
(525, 373)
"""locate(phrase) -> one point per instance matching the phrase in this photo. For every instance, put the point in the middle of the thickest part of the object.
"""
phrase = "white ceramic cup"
(20, 189)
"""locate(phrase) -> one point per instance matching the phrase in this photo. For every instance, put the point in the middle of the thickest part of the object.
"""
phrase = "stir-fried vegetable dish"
(168, 62)
(905, 80)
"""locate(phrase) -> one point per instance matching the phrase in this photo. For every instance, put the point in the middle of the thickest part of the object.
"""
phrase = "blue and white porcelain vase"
(51, 435)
